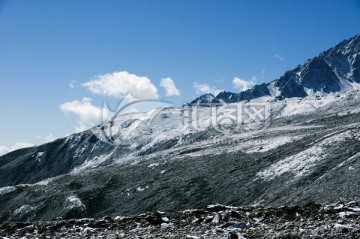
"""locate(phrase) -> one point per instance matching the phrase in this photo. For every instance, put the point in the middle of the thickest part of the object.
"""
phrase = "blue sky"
(54, 54)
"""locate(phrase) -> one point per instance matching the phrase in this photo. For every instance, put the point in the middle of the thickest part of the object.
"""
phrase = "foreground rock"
(217, 221)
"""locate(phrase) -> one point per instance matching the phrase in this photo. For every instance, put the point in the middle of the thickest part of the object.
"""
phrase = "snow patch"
(5, 190)
(40, 156)
(354, 111)
(45, 182)
(153, 165)
(274, 91)
(73, 202)
(91, 163)
(300, 164)
(79, 151)
(24, 210)
(140, 189)
(347, 161)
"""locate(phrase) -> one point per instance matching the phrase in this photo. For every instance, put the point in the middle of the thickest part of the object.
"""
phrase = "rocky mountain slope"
(141, 134)
(296, 159)
(299, 142)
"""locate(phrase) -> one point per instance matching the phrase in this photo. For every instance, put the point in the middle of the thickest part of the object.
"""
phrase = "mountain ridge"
(326, 73)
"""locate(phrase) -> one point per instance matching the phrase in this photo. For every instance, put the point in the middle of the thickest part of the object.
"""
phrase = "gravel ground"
(217, 221)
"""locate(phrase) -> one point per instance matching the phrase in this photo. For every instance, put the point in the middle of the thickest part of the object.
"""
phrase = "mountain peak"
(334, 70)
(206, 100)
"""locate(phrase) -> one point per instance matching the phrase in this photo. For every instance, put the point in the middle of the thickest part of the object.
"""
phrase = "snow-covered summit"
(334, 70)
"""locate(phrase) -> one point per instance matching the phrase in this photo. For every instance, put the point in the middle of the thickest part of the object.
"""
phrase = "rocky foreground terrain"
(217, 221)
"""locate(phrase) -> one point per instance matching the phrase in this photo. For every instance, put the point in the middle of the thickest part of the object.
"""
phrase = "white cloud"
(169, 86)
(205, 89)
(277, 56)
(119, 84)
(243, 85)
(72, 84)
(89, 115)
(20, 145)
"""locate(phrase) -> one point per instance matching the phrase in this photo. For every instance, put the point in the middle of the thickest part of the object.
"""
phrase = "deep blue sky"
(44, 45)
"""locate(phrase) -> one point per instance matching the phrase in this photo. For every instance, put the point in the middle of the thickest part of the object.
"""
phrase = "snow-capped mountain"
(206, 100)
(293, 140)
(334, 70)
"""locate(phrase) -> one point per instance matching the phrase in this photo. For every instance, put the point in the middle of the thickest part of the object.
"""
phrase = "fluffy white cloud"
(205, 88)
(169, 86)
(243, 85)
(88, 114)
(119, 84)
(20, 145)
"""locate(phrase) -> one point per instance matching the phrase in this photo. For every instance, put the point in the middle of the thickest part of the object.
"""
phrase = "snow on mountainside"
(310, 156)
(163, 128)
(140, 134)
(335, 70)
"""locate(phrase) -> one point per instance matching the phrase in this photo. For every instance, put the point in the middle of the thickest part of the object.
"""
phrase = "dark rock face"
(229, 97)
(255, 92)
(59, 157)
(356, 69)
(290, 86)
(317, 75)
(322, 73)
